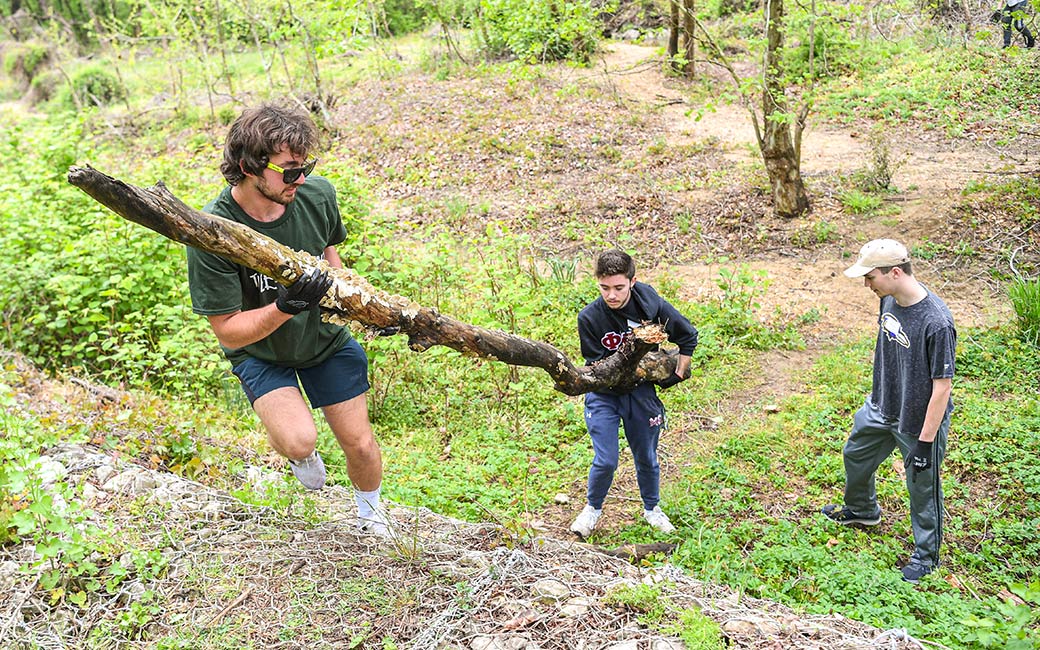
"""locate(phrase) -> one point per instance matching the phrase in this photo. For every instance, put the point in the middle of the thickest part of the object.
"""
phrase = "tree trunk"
(673, 33)
(352, 298)
(689, 69)
(780, 149)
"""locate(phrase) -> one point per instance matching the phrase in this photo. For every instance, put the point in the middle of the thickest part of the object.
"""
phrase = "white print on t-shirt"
(262, 282)
(894, 330)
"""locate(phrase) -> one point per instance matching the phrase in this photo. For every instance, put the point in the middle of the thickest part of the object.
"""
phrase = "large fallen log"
(352, 298)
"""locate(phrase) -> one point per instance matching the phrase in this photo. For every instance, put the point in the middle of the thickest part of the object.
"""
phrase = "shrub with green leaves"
(92, 85)
(1025, 297)
(537, 30)
(24, 61)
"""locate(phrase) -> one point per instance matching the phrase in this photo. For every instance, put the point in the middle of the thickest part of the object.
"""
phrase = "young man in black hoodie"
(602, 326)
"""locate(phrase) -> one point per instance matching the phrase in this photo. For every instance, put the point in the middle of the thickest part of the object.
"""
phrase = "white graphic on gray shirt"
(894, 330)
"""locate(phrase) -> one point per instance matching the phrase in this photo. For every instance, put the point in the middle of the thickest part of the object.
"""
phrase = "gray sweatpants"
(872, 440)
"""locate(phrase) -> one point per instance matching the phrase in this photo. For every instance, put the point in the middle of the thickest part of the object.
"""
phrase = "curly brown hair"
(261, 131)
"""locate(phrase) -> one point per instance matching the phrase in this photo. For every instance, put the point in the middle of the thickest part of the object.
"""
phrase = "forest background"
(483, 153)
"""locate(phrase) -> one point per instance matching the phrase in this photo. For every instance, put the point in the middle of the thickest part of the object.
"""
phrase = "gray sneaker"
(657, 519)
(845, 517)
(309, 471)
(913, 572)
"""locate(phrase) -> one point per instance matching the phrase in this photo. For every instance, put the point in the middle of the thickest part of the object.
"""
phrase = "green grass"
(949, 88)
(749, 497)
(479, 440)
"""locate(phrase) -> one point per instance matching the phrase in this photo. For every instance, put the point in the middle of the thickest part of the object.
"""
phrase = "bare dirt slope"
(933, 170)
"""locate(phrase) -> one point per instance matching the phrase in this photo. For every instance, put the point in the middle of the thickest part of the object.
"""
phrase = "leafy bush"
(1025, 297)
(92, 85)
(834, 50)
(738, 312)
(44, 86)
(538, 30)
(405, 16)
(24, 61)
(723, 8)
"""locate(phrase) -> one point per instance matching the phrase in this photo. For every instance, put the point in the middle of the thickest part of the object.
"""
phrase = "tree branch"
(352, 298)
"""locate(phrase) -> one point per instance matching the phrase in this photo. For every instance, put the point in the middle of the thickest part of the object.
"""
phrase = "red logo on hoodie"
(613, 340)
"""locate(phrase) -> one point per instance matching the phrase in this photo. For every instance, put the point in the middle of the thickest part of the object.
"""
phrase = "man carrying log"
(273, 335)
(603, 326)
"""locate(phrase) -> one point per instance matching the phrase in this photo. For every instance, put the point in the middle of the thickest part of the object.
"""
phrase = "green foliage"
(881, 167)
(859, 202)
(948, 88)
(698, 632)
(405, 16)
(738, 316)
(835, 50)
(724, 8)
(1025, 297)
(537, 31)
(94, 292)
(1019, 197)
(780, 546)
(643, 598)
(1012, 624)
(75, 559)
(656, 610)
(815, 234)
(24, 61)
(92, 85)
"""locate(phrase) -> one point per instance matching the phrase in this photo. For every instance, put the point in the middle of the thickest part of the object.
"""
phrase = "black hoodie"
(602, 329)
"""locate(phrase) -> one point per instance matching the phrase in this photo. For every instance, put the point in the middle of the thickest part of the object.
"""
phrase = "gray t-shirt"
(915, 345)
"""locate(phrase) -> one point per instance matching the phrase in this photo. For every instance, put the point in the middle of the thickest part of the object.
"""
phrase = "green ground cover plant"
(777, 472)
(92, 295)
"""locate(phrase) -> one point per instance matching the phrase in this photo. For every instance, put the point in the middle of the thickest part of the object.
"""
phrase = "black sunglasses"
(290, 175)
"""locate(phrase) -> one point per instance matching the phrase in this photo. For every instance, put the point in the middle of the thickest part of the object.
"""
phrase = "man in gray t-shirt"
(909, 404)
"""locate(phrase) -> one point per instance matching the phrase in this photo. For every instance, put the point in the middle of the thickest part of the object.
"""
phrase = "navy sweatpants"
(642, 413)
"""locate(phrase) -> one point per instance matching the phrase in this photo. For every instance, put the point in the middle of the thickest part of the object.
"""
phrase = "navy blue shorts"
(341, 377)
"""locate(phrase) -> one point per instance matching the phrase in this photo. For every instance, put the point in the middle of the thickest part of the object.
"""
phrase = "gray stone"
(577, 606)
(51, 471)
(8, 575)
(103, 472)
(548, 590)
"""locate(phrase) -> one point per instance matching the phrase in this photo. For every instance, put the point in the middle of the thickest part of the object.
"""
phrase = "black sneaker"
(845, 517)
(913, 572)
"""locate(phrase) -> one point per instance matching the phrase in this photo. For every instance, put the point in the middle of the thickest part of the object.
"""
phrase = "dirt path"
(932, 170)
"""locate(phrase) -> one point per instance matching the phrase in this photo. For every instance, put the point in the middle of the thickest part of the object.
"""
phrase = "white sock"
(367, 502)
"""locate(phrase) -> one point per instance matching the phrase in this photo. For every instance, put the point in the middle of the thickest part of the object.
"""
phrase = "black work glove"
(304, 293)
(670, 381)
(921, 456)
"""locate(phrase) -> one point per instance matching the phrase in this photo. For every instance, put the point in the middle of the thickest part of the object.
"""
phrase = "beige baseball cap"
(878, 253)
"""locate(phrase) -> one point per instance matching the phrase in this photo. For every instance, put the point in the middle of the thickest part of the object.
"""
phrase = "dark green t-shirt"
(311, 223)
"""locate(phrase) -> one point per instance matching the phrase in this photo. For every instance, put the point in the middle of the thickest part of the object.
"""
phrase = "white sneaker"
(658, 520)
(309, 471)
(376, 523)
(586, 521)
